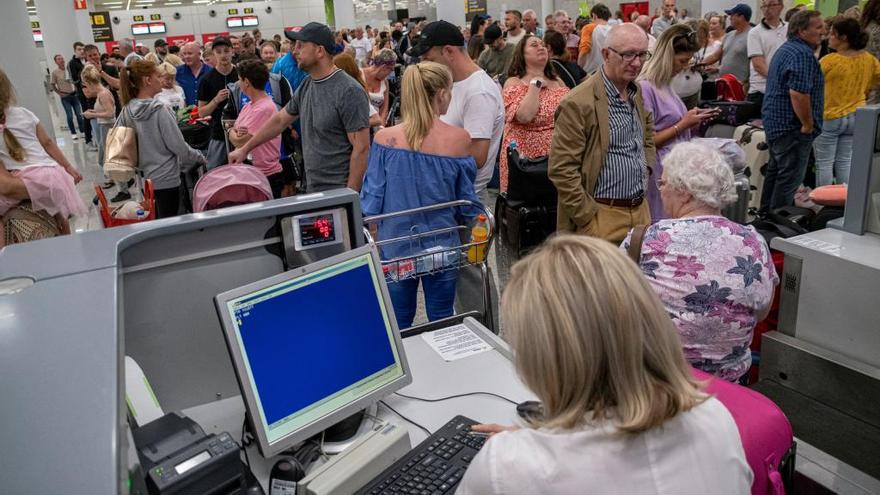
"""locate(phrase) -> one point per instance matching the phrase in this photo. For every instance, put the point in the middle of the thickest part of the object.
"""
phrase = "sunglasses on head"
(691, 36)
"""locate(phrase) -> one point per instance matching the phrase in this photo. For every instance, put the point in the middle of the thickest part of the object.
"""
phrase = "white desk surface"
(490, 371)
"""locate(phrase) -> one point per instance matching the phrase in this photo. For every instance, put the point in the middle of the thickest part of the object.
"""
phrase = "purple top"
(668, 109)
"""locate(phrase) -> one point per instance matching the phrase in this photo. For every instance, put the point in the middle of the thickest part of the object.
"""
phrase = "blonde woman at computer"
(622, 413)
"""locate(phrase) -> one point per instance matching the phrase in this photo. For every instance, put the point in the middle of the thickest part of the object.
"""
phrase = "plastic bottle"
(479, 233)
(141, 214)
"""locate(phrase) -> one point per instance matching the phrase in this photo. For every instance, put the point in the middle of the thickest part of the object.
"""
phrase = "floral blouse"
(714, 277)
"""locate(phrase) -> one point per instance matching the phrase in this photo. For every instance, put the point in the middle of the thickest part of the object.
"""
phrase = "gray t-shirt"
(735, 59)
(328, 110)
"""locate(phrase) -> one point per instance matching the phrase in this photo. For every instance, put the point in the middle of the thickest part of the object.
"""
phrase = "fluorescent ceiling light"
(173, 3)
(201, 1)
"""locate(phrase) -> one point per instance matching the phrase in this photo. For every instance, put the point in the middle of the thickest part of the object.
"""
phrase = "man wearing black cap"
(495, 59)
(734, 53)
(333, 111)
(213, 96)
(161, 48)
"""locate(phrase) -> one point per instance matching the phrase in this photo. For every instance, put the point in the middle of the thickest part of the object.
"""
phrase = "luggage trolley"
(439, 258)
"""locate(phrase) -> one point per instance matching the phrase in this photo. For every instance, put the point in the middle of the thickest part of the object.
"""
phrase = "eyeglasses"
(629, 57)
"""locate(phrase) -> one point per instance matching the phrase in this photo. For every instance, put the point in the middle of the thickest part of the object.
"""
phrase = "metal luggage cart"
(439, 258)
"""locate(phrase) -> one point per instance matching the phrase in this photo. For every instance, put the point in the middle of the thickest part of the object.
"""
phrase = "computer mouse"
(530, 410)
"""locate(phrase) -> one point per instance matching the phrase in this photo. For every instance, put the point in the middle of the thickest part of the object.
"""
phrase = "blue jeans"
(72, 108)
(833, 149)
(789, 155)
(439, 297)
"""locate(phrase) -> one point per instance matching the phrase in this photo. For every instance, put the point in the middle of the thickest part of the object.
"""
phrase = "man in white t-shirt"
(477, 107)
(764, 39)
(476, 104)
(363, 47)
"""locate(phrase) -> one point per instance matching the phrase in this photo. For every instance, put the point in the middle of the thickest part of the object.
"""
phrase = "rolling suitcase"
(523, 226)
(766, 434)
(753, 141)
(739, 211)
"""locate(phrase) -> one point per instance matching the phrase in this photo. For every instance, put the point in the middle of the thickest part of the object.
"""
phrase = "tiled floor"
(87, 163)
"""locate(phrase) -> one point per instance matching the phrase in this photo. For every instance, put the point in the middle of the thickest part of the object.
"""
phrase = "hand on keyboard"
(492, 428)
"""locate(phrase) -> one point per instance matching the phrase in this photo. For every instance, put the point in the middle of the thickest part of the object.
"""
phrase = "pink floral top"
(714, 276)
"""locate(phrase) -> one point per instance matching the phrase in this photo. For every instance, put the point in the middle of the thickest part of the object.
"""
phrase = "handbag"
(634, 250)
(527, 179)
(120, 149)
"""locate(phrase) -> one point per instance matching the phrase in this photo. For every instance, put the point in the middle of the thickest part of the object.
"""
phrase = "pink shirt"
(253, 116)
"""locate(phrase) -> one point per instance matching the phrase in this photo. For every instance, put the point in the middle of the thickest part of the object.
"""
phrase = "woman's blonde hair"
(166, 69)
(7, 100)
(592, 340)
(131, 79)
(421, 83)
(659, 69)
(152, 57)
(90, 75)
(173, 60)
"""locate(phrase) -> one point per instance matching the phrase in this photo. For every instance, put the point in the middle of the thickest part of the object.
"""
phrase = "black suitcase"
(522, 226)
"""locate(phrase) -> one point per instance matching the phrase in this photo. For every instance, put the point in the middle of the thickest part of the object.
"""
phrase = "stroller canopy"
(230, 185)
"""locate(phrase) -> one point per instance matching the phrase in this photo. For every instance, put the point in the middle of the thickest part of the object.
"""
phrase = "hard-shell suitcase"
(754, 142)
(766, 434)
(523, 226)
(739, 211)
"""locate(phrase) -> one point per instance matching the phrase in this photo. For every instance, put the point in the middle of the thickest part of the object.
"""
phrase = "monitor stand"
(347, 431)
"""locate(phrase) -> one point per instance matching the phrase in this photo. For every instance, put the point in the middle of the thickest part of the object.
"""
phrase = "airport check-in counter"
(822, 366)
(73, 307)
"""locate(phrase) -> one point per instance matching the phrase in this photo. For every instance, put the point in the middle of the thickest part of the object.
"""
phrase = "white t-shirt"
(696, 452)
(513, 40)
(172, 98)
(362, 47)
(22, 123)
(478, 108)
(594, 59)
(763, 41)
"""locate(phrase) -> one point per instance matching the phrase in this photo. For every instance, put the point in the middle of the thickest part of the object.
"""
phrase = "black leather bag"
(527, 179)
(521, 226)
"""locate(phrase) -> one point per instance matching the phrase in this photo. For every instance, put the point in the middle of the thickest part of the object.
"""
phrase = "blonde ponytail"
(7, 99)
(421, 83)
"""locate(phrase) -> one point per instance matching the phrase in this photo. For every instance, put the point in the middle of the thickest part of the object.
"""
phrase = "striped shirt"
(624, 174)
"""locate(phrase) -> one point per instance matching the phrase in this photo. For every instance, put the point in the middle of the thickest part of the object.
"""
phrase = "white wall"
(196, 19)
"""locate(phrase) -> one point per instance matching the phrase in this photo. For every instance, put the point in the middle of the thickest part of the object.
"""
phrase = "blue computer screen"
(306, 344)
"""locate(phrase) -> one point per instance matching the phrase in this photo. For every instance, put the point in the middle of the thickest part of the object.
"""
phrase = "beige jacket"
(580, 143)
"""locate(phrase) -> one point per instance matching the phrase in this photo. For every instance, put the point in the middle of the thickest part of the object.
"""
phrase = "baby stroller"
(230, 185)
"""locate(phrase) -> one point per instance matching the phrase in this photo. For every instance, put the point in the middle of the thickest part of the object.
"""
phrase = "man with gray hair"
(530, 23)
(126, 49)
(603, 144)
(565, 27)
(644, 22)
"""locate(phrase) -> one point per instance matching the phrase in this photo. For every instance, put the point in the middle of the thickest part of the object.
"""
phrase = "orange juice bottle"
(479, 233)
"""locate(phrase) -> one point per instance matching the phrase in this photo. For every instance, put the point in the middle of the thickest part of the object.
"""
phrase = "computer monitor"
(312, 346)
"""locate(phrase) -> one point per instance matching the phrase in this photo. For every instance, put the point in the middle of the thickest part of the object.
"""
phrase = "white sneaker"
(75, 138)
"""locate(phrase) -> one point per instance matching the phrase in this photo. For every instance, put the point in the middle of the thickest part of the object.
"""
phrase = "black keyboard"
(434, 467)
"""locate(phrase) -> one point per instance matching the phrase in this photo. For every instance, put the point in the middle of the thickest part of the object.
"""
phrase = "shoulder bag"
(120, 149)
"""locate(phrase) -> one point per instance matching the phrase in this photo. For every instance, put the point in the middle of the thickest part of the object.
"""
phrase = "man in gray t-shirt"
(734, 53)
(333, 110)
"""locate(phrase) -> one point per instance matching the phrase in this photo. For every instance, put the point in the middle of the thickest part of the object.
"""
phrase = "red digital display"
(317, 229)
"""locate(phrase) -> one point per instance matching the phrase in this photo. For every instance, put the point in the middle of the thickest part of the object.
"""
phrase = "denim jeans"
(833, 150)
(789, 155)
(439, 297)
(71, 109)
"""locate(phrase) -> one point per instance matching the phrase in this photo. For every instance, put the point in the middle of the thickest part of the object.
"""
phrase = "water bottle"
(141, 214)
(479, 233)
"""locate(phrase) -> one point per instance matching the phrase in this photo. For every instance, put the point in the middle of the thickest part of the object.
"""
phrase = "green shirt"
(496, 62)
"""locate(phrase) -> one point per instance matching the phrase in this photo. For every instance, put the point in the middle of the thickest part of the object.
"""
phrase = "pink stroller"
(230, 185)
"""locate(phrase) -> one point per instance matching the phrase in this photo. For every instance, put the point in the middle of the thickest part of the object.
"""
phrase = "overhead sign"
(180, 40)
(155, 17)
(35, 24)
(80, 5)
(101, 29)
(206, 37)
(138, 18)
(248, 10)
(474, 7)
(232, 11)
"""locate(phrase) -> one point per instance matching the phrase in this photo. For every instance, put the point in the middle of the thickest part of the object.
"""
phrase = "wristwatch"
(537, 83)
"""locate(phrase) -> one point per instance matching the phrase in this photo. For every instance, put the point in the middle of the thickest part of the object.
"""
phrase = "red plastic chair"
(107, 218)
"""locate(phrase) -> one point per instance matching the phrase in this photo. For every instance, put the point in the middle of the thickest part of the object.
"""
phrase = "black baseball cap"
(160, 42)
(741, 9)
(437, 33)
(221, 41)
(492, 33)
(314, 32)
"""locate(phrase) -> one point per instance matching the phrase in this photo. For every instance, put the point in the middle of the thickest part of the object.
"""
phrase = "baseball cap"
(314, 32)
(492, 33)
(160, 42)
(741, 9)
(221, 41)
(437, 33)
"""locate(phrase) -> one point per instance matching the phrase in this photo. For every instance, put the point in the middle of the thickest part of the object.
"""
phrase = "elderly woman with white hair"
(714, 276)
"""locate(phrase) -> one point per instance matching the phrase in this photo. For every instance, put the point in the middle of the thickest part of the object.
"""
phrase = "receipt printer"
(178, 457)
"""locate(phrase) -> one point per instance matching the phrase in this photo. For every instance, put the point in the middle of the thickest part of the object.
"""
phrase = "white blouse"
(696, 452)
